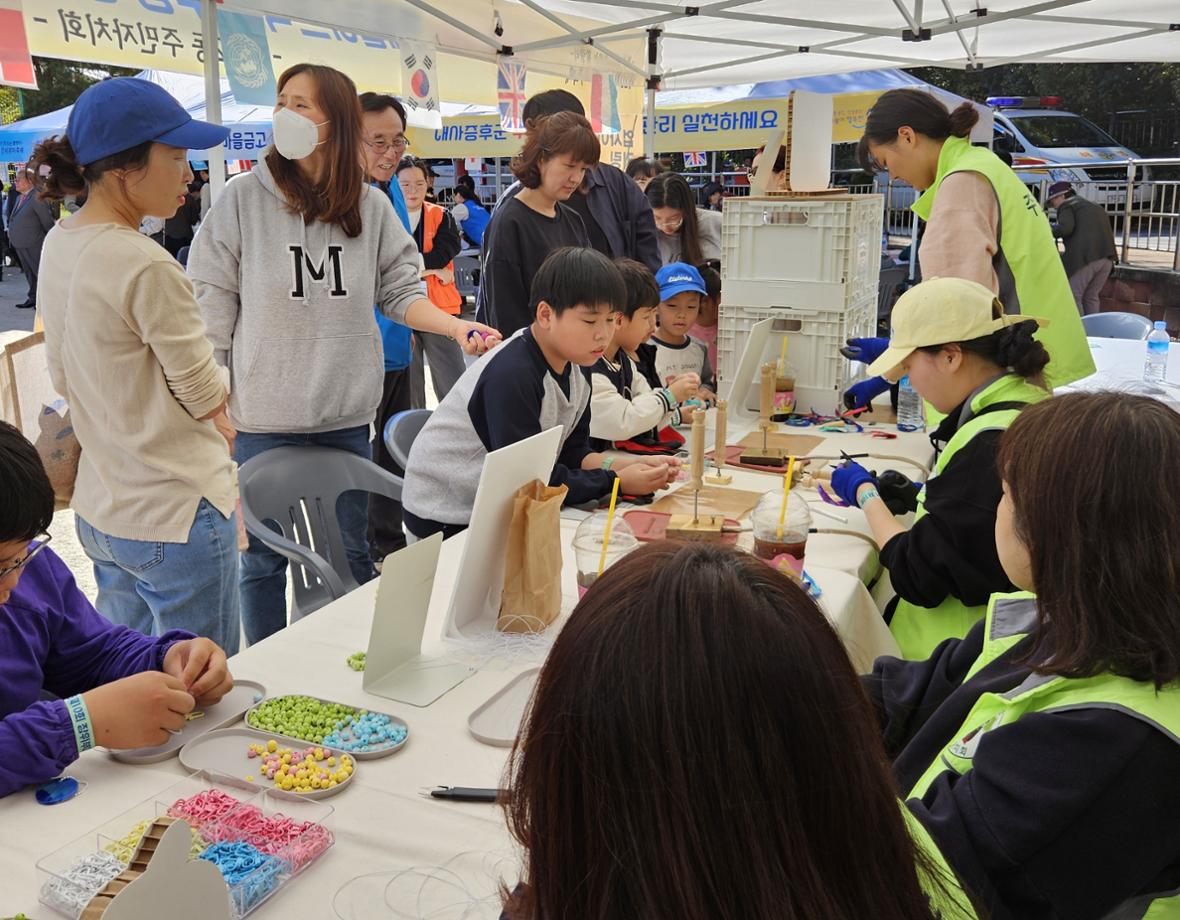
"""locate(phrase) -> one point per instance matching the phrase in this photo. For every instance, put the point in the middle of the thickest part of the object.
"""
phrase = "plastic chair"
(466, 275)
(182, 255)
(1117, 326)
(297, 488)
(890, 280)
(400, 431)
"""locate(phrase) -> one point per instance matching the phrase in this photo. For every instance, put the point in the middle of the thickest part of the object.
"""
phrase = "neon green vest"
(1010, 617)
(919, 629)
(1028, 265)
(946, 895)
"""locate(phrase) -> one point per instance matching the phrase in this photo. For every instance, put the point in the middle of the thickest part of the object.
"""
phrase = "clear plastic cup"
(769, 543)
(588, 546)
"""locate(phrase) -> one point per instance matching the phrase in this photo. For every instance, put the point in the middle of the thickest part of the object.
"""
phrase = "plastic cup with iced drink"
(769, 542)
(588, 547)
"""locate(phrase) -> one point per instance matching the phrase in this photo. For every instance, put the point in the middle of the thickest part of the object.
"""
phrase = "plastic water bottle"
(910, 416)
(1157, 355)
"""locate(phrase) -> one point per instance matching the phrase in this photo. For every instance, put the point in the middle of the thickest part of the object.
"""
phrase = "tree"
(60, 83)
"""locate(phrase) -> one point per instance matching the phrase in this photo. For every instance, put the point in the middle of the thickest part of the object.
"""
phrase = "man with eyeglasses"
(112, 685)
(383, 120)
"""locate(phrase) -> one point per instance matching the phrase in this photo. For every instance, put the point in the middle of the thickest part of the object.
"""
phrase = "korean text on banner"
(16, 64)
(420, 83)
(246, 54)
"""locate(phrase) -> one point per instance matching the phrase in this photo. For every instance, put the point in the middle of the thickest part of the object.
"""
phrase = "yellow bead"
(286, 758)
(319, 753)
(272, 746)
(249, 779)
(331, 783)
(331, 761)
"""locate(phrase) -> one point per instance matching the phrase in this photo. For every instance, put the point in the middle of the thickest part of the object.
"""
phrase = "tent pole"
(216, 155)
(653, 82)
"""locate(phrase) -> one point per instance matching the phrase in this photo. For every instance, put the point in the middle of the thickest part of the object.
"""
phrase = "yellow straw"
(610, 517)
(782, 514)
(782, 358)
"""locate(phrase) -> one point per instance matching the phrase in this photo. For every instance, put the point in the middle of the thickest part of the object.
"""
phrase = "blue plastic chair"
(1117, 326)
(289, 497)
(400, 432)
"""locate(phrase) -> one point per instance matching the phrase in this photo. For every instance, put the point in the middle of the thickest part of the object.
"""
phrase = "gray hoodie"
(289, 307)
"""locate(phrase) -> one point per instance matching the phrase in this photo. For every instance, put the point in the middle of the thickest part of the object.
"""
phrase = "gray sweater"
(289, 307)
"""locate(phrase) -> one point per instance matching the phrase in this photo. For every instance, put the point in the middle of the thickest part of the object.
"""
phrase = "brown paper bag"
(531, 599)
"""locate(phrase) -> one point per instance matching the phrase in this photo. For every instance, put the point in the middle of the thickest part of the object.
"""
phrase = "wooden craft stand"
(696, 526)
(767, 455)
(718, 476)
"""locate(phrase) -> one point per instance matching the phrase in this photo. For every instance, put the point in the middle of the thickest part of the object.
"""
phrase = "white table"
(384, 824)
(1120, 362)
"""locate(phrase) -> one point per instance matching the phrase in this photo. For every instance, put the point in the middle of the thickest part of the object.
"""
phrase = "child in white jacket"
(626, 411)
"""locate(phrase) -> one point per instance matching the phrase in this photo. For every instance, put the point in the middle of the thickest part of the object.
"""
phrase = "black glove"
(898, 491)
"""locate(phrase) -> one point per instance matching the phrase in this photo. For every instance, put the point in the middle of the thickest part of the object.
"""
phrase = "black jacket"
(1063, 815)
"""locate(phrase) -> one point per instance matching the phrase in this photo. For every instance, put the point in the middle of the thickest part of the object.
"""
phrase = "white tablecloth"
(383, 824)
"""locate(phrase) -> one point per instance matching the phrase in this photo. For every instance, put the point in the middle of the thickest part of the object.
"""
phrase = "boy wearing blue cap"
(677, 353)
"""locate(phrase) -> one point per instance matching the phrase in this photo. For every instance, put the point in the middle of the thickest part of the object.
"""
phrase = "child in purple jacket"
(117, 688)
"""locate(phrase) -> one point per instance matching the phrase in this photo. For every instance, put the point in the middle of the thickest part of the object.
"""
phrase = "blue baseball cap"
(678, 277)
(116, 115)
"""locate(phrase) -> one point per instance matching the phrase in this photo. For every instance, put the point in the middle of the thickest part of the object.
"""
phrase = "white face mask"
(295, 136)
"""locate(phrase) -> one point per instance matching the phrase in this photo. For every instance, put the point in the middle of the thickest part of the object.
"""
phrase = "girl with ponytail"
(982, 222)
(980, 367)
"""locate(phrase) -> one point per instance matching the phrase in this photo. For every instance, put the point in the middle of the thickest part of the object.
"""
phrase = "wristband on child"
(607, 463)
(80, 719)
(866, 496)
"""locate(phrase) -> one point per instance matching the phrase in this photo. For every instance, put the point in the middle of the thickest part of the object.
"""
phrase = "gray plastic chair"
(466, 269)
(400, 431)
(891, 279)
(297, 488)
(1117, 326)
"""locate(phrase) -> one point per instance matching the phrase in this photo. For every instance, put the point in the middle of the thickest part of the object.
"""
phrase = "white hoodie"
(289, 307)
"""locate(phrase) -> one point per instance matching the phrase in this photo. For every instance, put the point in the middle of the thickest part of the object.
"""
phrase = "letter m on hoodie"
(303, 264)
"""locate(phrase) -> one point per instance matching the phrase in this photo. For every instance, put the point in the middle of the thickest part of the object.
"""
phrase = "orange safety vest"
(444, 296)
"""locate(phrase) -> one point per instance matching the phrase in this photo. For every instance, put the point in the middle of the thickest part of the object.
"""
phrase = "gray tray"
(246, 693)
(224, 752)
(356, 755)
(498, 720)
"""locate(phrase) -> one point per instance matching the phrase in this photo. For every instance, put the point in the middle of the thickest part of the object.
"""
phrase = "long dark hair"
(916, 109)
(1101, 535)
(670, 190)
(698, 746)
(336, 197)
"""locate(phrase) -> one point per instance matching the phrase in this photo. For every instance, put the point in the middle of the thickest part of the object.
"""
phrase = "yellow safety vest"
(1010, 617)
(1027, 263)
(918, 630)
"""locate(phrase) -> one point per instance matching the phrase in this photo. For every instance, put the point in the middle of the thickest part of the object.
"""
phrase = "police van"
(1036, 132)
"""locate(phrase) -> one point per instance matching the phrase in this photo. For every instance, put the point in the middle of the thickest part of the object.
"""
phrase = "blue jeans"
(154, 586)
(264, 572)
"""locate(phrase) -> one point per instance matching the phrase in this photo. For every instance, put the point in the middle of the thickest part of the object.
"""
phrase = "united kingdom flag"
(510, 92)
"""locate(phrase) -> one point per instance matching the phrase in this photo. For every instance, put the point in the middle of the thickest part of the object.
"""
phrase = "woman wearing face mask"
(437, 238)
(557, 152)
(983, 223)
(155, 490)
(686, 233)
(287, 280)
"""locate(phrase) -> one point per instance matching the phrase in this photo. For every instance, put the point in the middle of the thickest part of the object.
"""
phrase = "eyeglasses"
(398, 143)
(35, 547)
(670, 226)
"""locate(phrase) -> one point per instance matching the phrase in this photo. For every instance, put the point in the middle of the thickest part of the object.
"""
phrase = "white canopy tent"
(746, 41)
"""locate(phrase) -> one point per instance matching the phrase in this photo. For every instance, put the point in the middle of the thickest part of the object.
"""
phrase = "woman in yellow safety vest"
(1042, 751)
(698, 747)
(982, 222)
(980, 367)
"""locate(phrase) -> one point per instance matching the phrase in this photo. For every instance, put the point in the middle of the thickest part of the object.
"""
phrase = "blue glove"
(848, 477)
(866, 350)
(861, 394)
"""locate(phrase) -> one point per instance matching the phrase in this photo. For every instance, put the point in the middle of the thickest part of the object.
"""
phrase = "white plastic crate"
(818, 253)
(815, 337)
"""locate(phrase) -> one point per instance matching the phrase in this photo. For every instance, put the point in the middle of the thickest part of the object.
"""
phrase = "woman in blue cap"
(126, 346)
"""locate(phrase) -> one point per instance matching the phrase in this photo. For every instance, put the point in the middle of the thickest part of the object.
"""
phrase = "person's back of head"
(26, 495)
(550, 102)
(712, 279)
(1089, 482)
(698, 746)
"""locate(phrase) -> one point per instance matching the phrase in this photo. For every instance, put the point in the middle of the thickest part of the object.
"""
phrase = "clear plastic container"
(225, 812)
(588, 546)
(769, 542)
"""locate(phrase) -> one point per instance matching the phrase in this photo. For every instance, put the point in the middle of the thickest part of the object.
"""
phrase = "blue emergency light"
(1024, 102)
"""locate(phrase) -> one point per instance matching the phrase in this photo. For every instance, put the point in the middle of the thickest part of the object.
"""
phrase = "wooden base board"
(718, 479)
(764, 458)
(705, 527)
